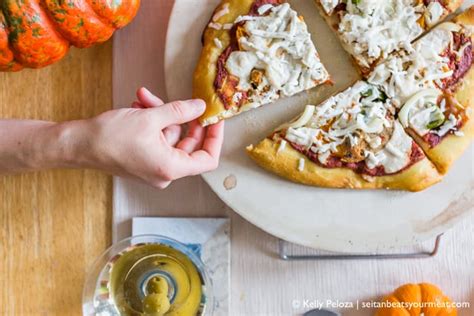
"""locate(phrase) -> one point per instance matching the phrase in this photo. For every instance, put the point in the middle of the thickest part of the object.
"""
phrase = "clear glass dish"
(98, 297)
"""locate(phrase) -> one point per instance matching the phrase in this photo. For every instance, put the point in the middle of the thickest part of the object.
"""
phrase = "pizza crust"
(452, 147)
(285, 163)
(206, 70)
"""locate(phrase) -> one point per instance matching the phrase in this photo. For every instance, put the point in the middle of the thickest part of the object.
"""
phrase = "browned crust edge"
(420, 176)
(206, 69)
(452, 147)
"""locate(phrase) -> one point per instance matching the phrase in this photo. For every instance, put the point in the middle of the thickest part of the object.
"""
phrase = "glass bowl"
(98, 297)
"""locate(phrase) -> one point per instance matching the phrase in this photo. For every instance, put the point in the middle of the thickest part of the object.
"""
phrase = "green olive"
(156, 304)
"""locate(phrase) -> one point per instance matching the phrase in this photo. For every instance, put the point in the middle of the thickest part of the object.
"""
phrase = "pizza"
(352, 140)
(254, 52)
(433, 86)
(371, 30)
(401, 128)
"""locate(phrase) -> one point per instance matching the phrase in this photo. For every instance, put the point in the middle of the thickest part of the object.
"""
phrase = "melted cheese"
(357, 112)
(329, 5)
(449, 125)
(372, 28)
(241, 64)
(280, 45)
(402, 76)
(434, 13)
(396, 154)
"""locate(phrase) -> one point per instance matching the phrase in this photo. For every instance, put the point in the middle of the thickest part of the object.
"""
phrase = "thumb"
(180, 112)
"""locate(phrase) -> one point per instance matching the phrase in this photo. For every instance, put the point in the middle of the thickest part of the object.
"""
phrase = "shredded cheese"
(301, 165)
(224, 11)
(282, 146)
(279, 45)
(357, 114)
(372, 29)
(218, 43)
(216, 26)
(402, 76)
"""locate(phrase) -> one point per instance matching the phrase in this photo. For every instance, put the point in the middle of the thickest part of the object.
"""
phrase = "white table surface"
(262, 284)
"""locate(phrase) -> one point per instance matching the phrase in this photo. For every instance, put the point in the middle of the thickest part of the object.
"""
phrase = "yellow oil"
(155, 280)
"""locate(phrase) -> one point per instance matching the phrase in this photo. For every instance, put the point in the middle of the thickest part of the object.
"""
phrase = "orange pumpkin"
(424, 299)
(37, 33)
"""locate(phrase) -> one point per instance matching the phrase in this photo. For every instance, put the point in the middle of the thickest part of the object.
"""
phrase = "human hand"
(145, 141)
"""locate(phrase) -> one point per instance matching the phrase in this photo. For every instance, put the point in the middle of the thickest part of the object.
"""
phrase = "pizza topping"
(224, 11)
(439, 61)
(450, 124)
(301, 165)
(377, 164)
(264, 9)
(282, 146)
(373, 29)
(218, 43)
(396, 154)
(431, 112)
(434, 13)
(460, 59)
(216, 26)
(279, 45)
(421, 112)
(302, 120)
(329, 5)
(353, 128)
(404, 75)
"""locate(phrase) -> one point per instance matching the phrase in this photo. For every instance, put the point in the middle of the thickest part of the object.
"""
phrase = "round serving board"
(335, 220)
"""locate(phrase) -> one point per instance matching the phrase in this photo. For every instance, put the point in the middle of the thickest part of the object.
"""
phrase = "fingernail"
(146, 91)
(198, 105)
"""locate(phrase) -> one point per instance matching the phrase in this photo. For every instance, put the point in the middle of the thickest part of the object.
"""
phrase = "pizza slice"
(370, 30)
(255, 51)
(352, 140)
(433, 85)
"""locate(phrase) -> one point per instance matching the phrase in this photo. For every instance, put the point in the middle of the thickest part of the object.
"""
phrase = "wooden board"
(53, 224)
(261, 283)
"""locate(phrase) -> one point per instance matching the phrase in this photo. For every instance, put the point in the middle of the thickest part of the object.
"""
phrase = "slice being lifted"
(434, 87)
(255, 51)
(352, 140)
(370, 30)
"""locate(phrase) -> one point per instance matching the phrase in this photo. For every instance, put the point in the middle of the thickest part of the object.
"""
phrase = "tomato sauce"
(358, 167)
(459, 65)
(224, 83)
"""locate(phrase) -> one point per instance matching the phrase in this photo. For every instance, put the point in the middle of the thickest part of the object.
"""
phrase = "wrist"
(62, 145)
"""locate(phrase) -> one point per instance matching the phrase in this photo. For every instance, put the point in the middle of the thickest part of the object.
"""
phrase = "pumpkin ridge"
(409, 293)
(7, 58)
(31, 35)
(118, 13)
(37, 33)
(77, 22)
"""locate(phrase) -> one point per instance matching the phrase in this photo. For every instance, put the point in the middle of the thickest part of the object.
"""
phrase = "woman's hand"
(145, 141)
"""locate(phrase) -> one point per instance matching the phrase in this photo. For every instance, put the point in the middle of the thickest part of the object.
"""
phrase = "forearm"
(38, 145)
